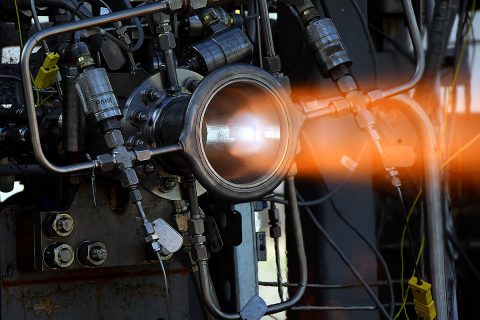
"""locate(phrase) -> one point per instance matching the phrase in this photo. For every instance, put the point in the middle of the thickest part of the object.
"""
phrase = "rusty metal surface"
(128, 291)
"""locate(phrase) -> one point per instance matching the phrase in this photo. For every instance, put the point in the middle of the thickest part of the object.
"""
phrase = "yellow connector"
(422, 298)
(47, 74)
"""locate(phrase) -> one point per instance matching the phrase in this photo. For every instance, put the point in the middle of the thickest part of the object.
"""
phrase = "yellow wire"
(402, 240)
(44, 100)
(19, 25)
(455, 76)
(405, 297)
(459, 151)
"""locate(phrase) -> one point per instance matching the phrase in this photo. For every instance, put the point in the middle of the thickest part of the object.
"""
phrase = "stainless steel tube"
(27, 81)
(322, 108)
(433, 196)
(419, 53)
(302, 259)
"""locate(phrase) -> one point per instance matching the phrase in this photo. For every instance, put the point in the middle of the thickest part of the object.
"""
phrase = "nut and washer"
(92, 253)
(58, 224)
(58, 256)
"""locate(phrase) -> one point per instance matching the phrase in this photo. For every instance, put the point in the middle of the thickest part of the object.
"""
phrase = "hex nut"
(166, 41)
(58, 224)
(341, 106)
(200, 253)
(196, 227)
(143, 155)
(128, 177)
(58, 256)
(135, 196)
(114, 139)
(163, 28)
(92, 253)
(106, 162)
(167, 184)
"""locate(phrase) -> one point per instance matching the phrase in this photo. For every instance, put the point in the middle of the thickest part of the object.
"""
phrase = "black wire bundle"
(347, 262)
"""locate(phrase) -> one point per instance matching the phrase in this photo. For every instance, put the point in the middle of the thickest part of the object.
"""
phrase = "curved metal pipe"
(435, 219)
(302, 259)
(321, 108)
(27, 81)
(419, 54)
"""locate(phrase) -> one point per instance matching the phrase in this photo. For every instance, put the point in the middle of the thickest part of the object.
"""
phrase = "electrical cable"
(18, 23)
(141, 34)
(279, 270)
(37, 24)
(274, 223)
(346, 261)
(402, 307)
(373, 249)
(371, 44)
(347, 222)
(402, 239)
(165, 280)
(318, 201)
(407, 226)
(340, 308)
(455, 77)
(334, 190)
(465, 257)
(324, 6)
(393, 42)
(328, 286)
(103, 3)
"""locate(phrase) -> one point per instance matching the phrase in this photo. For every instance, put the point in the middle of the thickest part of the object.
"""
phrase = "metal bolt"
(65, 255)
(65, 225)
(98, 254)
(167, 184)
(58, 224)
(140, 117)
(59, 256)
(152, 95)
(149, 168)
(92, 253)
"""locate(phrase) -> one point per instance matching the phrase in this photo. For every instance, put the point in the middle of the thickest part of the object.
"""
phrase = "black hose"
(81, 11)
(439, 34)
(141, 34)
(250, 24)
(346, 261)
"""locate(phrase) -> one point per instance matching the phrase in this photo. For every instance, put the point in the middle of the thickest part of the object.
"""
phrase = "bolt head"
(65, 255)
(167, 184)
(59, 256)
(98, 254)
(59, 224)
(92, 253)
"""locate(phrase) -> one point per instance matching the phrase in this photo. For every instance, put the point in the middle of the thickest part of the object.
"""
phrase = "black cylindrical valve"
(225, 47)
(326, 45)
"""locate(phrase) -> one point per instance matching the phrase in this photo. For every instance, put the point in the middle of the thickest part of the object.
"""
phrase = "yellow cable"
(459, 151)
(19, 25)
(45, 99)
(402, 240)
(449, 101)
(405, 297)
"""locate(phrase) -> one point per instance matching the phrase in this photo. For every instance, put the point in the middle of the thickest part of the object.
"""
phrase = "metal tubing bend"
(433, 196)
(419, 54)
(302, 259)
(27, 81)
